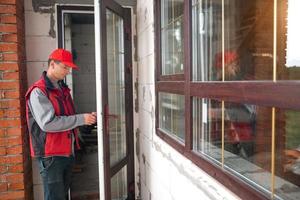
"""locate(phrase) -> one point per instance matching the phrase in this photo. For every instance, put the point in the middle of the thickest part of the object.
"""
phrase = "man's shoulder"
(37, 87)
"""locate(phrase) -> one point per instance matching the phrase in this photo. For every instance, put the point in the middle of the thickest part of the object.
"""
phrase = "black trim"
(38, 137)
(61, 8)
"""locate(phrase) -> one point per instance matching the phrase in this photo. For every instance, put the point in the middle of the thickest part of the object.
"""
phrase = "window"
(227, 90)
(172, 34)
(171, 114)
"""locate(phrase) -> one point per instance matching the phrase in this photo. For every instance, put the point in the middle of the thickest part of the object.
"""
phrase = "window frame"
(270, 93)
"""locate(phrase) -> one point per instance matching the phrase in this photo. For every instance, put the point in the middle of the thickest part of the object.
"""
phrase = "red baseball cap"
(63, 56)
(229, 57)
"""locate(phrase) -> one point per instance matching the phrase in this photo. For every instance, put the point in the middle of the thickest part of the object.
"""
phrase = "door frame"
(128, 161)
(71, 9)
(88, 9)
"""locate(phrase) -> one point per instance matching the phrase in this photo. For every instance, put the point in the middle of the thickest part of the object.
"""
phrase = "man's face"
(60, 70)
(232, 69)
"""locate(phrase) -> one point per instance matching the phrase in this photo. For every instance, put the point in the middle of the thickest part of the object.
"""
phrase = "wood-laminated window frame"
(272, 93)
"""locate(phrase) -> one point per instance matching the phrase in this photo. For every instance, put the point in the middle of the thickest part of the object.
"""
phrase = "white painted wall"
(162, 172)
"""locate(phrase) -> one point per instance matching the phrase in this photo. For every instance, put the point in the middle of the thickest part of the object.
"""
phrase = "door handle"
(107, 115)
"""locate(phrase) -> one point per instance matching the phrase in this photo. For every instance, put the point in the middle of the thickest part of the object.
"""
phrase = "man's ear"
(51, 64)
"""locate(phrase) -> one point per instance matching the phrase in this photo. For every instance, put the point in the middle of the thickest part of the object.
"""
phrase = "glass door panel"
(117, 101)
(119, 185)
(116, 87)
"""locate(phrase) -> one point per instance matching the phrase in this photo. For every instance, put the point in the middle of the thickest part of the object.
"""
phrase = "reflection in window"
(287, 163)
(247, 142)
(171, 114)
(207, 127)
(207, 38)
(248, 31)
(248, 40)
(172, 36)
(247, 138)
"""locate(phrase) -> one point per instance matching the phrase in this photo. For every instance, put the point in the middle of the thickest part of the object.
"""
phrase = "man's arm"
(44, 114)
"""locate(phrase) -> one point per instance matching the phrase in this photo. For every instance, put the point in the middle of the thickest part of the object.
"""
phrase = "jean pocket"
(46, 162)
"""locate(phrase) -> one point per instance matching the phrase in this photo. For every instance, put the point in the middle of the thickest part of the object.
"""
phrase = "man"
(51, 122)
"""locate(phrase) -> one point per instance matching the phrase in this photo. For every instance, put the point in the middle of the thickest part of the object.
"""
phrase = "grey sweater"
(44, 114)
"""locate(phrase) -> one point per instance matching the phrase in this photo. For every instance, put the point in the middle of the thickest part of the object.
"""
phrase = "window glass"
(171, 37)
(207, 127)
(247, 142)
(287, 163)
(247, 138)
(206, 38)
(171, 114)
(248, 38)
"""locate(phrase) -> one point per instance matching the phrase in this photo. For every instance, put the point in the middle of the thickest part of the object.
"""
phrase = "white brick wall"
(83, 40)
(164, 173)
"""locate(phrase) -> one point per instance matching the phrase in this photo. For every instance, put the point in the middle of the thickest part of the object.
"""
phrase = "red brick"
(9, 94)
(10, 122)
(11, 75)
(3, 187)
(9, 85)
(16, 168)
(10, 47)
(10, 104)
(14, 178)
(8, 19)
(11, 159)
(3, 142)
(9, 66)
(2, 151)
(8, 9)
(9, 38)
(14, 141)
(10, 113)
(13, 131)
(12, 195)
(8, 28)
(14, 150)
(2, 132)
(9, 56)
(2, 178)
(15, 186)
(3, 168)
(3, 2)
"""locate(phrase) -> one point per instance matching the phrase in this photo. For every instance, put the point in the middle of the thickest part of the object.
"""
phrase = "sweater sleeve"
(44, 114)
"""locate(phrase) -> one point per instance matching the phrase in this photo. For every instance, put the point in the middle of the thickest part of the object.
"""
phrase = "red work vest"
(43, 144)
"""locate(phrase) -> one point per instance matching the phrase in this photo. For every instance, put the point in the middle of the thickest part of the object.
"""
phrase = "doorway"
(76, 34)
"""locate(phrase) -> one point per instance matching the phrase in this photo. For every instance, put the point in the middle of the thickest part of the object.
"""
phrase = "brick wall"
(15, 162)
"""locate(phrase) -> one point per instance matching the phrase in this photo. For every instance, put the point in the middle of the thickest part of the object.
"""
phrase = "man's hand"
(90, 118)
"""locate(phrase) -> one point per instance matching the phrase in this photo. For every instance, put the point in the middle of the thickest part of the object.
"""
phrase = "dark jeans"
(56, 174)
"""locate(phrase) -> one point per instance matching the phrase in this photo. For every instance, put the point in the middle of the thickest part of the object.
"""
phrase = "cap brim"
(72, 65)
